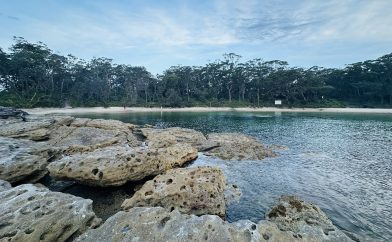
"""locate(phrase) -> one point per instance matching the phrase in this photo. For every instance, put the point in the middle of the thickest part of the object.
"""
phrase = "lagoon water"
(341, 162)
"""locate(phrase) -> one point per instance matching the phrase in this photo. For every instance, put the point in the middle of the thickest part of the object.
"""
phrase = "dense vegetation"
(32, 75)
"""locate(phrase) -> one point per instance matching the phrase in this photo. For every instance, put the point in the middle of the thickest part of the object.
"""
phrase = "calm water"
(342, 162)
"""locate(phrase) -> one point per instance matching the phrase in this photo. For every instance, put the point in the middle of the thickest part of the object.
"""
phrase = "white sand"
(202, 109)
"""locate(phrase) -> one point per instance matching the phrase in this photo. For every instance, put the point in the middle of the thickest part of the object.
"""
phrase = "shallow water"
(341, 162)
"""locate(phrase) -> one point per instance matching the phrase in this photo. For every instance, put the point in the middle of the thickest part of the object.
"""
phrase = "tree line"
(32, 75)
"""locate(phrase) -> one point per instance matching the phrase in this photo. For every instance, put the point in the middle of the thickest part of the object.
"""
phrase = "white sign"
(278, 102)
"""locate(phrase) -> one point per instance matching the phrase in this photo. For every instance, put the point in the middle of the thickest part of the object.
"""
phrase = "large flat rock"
(115, 165)
(31, 213)
(236, 146)
(166, 137)
(22, 160)
(190, 190)
(157, 224)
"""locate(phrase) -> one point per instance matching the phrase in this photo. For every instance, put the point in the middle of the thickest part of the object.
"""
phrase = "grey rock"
(300, 217)
(31, 213)
(115, 165)
(158, 224)
(196, 191)
(4, 185)
(22, 160)
(236, 146)
(166, 137)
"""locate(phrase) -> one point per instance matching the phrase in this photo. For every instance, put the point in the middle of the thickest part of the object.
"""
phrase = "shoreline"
(202, 109)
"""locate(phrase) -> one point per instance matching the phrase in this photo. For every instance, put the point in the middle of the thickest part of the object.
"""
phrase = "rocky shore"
(43, 158)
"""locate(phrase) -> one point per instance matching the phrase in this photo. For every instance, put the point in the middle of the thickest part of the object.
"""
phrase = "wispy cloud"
(184, 31)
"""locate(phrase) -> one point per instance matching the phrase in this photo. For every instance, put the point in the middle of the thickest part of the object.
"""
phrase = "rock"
(165, 137)
(157, 224)
(83, 139)
(110, 125)
(4, 185)
(300, 217)
(190, 190)
(19, 129)
(235, 146)
(22, 160)
(36, 128)
(115, 165)
(6, 112)
(233, 194)
(31, 213)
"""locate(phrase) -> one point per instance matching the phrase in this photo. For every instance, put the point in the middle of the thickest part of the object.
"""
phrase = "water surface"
(341, 162)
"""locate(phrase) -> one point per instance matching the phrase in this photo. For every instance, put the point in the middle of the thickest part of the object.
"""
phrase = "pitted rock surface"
(31, 213)
(158, 224)
(300, 217)
(170, 136)
(22, 160)
(236, 146)
(115, 165)
(190, 190)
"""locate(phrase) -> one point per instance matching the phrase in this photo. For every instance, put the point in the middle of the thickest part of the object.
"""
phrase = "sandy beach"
(202, 109)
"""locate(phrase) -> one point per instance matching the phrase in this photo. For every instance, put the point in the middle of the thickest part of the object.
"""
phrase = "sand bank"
(202, 109)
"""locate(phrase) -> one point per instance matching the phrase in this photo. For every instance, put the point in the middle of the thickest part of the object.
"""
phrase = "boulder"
(7, 112)
(31, 213)
(22, 160)
(236, 146)
(300, 217)
(165, 137)
(158, 224)
(115, 165)
(190, 190)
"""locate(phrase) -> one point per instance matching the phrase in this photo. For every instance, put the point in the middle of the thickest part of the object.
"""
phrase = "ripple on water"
(341, 162)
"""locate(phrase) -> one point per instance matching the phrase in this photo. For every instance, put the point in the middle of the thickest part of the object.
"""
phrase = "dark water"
(341, 162)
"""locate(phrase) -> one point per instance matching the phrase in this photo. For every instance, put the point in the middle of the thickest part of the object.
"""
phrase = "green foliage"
(31, 75)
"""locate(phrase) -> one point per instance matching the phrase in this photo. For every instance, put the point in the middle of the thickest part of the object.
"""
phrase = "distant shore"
(203, 109)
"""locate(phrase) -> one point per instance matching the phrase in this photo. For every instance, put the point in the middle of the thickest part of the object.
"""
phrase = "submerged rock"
(31, 213)
(190, 190)
(22, 160)
(114, 166)
(158, 224)
(165, 137)
(236, 146)
(300, 217)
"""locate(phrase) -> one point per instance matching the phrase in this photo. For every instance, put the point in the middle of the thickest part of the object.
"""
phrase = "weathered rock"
(31, 213)
(235, 146)
(165, 137)
(4, 185)
(190, 190)
(300, 217)
(7, 112)
(22, 160)
(232, 193)
(110, 125)
(36, 128)
(115, 165)
(158, 224)
(83, 139)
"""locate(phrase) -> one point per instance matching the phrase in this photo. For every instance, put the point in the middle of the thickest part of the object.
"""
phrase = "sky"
(159, 34)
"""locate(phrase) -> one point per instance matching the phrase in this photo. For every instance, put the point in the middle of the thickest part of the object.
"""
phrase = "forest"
(33, 75)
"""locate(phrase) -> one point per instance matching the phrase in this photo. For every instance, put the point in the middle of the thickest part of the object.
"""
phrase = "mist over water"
(341, 162)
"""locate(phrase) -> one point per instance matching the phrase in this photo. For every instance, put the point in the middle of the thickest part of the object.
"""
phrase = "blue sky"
(159, 34)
